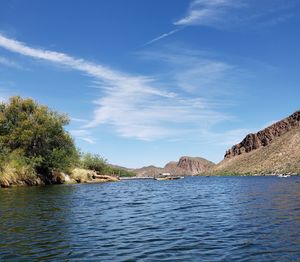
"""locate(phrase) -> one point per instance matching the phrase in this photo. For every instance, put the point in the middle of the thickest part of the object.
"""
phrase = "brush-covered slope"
(276, 149)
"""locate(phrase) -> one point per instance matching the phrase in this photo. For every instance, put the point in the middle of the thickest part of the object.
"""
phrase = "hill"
(274, 149)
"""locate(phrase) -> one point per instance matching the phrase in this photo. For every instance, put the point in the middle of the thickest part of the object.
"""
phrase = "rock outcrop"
(265, 137)
(195, 165)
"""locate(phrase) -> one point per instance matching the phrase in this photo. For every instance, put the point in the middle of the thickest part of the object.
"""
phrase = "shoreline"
(39, 181)
(77, 176)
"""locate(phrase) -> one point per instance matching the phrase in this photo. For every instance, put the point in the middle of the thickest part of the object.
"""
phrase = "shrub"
(96, 163)
(123, 173)
(36, 135)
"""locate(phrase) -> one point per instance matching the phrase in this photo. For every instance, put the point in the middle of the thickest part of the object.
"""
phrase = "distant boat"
(167, 176)
(283, 176)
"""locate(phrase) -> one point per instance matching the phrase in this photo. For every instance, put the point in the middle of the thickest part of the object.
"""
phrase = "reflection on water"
(194, 219)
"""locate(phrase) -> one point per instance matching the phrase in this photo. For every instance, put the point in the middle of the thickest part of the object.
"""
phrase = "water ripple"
(194, 219)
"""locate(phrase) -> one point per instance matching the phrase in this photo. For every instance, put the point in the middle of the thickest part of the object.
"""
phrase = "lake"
(192, 219)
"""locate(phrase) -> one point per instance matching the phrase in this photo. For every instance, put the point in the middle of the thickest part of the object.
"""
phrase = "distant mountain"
(148, 171)
(185, 166)
(194, 165)
(275, 149)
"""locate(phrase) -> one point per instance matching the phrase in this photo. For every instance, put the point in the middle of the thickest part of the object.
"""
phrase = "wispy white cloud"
(108, 76)
(207, 12)
(201, 12)
(10, 63)
(198, 72)
(201, 86)
(136, 107)
(78, 120)
(83, 134)
(88, 140)
(144, 118)
(233, 14)
(237, 13)
(163, 36)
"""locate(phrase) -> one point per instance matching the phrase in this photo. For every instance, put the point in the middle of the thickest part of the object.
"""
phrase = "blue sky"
(145, 82)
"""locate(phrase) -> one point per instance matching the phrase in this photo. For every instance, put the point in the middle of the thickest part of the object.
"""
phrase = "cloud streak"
(136, 107)
(233, 14)
(107, 75)
(237, 13)
(163, 36)
(207, 12)
(10, 63)
(200, 12)
(83, 135)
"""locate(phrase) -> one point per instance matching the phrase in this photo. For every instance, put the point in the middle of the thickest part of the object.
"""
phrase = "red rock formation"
(195, 165)
(264, 137)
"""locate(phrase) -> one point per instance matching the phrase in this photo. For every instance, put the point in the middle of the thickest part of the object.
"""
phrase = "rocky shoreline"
(67, 179)
(77, 176)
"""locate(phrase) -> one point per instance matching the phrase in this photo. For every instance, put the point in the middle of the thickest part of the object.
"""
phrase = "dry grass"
(81, 175)
(11, 175)
(23, 175)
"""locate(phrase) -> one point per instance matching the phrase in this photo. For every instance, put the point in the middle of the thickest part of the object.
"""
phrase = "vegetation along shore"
(35, 149)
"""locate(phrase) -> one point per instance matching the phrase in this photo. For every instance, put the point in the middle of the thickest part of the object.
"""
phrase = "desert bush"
(34, 135)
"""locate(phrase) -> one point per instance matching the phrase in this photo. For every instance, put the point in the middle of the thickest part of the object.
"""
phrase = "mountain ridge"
(273, 150)
(264, 137)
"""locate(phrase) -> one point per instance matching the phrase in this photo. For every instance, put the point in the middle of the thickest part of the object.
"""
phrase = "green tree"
(96, 163)
(38, 134)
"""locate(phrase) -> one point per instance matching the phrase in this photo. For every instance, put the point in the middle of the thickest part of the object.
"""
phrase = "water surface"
(193, 219)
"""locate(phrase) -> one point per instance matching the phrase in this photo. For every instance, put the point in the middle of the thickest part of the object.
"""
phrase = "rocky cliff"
(273, 150)
(265, 137)
(185, 166)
